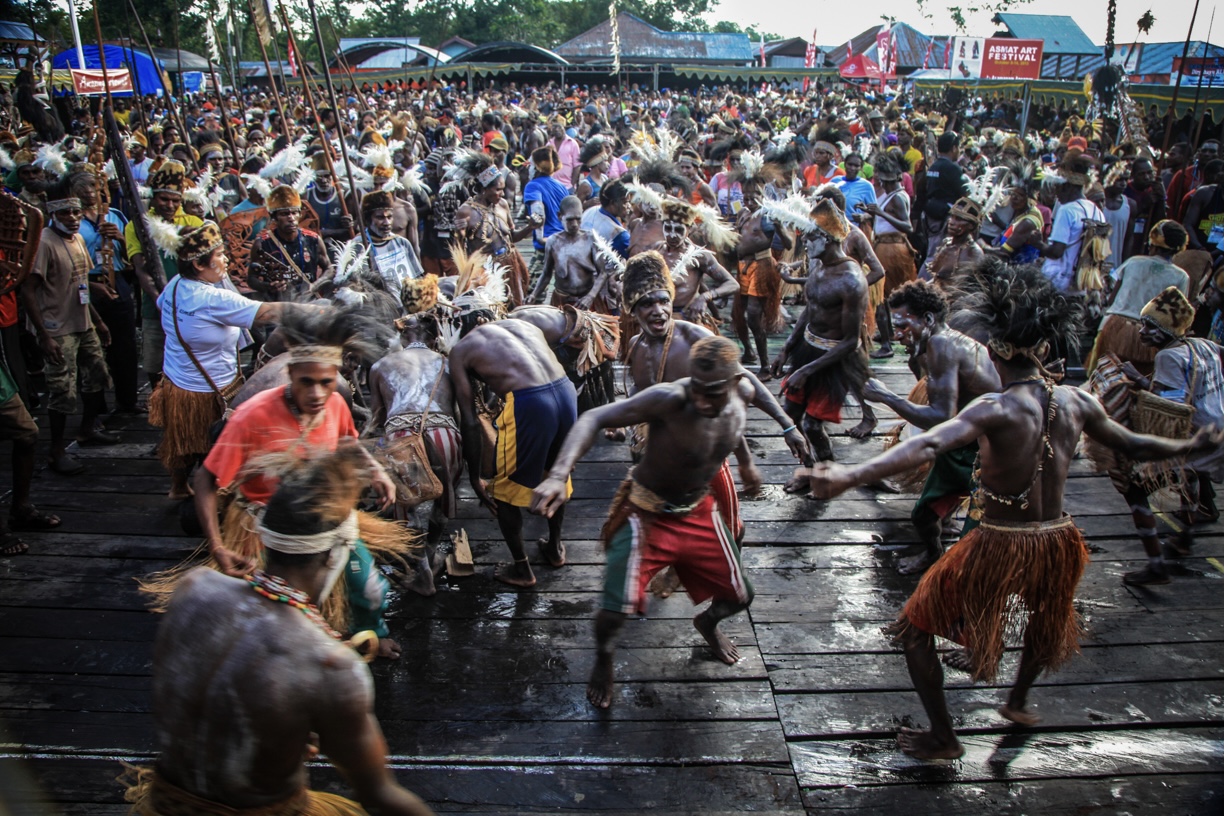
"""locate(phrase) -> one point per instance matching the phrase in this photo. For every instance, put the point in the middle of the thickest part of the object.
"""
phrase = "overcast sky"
(836, 22)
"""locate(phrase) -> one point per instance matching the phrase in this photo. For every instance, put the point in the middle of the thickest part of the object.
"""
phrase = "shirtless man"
(760, 281)
(689, 163)
(1026, 546)
(230, 730)
(573, 259)
(960, 246)
(409, 388)
(586, 345)
(825, 349)
(513, 360)
(957, 371)
(664, 513)
(698, 275)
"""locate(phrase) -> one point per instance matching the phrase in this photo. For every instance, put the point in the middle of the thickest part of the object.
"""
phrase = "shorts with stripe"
(530, 430)
(698, 544)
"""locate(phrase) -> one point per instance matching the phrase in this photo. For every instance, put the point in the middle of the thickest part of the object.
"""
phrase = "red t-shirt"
(8, 309)
(264, 424)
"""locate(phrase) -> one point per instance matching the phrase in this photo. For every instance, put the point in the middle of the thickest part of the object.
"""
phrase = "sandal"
(12, 545)
(31, 519)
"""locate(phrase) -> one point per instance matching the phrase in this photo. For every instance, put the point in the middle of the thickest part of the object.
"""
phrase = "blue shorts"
(530, 430)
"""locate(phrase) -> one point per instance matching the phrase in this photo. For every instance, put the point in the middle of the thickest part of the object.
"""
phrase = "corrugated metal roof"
(169, 57)
(639, 41)
(1062, 35)
(1157, 58)
(18, 31)
(911, 47)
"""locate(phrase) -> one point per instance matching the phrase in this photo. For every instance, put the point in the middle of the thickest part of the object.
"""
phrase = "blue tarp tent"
(146, 70)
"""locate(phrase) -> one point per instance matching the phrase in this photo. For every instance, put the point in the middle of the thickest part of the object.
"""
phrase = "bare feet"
(915, 564)
(599, 688)
(555, 556)
(422, 580)
(959, 659)
(766, 373)
(664, 583)
(517, 575)
(864, 428)
(923, 745)
(798, 486)
(720, 644)
(388, 649)
(1018, 715)
(748, 358)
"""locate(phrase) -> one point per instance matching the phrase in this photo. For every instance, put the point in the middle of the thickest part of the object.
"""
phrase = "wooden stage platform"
(486, 712)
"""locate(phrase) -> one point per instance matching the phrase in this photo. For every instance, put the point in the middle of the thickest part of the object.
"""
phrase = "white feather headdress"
(165, 235)
(284, 163)
(794, 211)
(609, 256)
(50, 158)
(259, 184)
(720, 236)
(352, 259)
(680, 267)
(643, 196)
(304, 178)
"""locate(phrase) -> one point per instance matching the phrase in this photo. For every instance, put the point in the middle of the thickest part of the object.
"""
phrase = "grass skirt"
(186, 418)
(1000, 579)
(388, 541)
(151, 795)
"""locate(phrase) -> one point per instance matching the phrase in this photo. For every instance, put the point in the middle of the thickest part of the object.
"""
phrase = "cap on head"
(377, 200)
(967, 210)
(198, 242)
(1171, 311)
(645, 272)
(283, 198)
(676, 210)
(171, 177)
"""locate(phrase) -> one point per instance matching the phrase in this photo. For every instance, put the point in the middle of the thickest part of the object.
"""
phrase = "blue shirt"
(549, 192)
(856, 192)
(607, 226)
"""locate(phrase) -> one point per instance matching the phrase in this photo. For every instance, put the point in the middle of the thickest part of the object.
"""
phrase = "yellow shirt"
(912, 157)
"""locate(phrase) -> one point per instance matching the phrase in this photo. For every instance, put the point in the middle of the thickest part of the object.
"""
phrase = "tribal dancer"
(825, 349)
(692, 266)
(957, 371)
(664, 513)
(249, 681)
(1027, 555)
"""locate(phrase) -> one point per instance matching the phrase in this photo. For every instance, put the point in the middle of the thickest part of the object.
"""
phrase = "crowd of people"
(334, 318)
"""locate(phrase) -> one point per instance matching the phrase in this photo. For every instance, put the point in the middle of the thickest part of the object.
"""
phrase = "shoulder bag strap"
(191, 354)
(289, 258)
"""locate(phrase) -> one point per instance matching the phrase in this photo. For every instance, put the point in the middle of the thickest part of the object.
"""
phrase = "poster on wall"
(995, 58)
(1207, 71)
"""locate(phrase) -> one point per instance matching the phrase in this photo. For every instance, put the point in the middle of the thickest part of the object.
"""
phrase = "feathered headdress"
(609, 256)
(352, 260)
(481, 283)
(165, 235)
(284, 163)
(989, 191)
(664, 172)
(470, 165)
(680, 268)
(414, 182)
(643, 196)
(304, 178)
(6, 161)
(50, 159)
(259, 184)
(794, 212)
(718, 234)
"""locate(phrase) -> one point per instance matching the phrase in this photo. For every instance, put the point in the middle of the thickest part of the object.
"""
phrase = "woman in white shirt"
(203, 320)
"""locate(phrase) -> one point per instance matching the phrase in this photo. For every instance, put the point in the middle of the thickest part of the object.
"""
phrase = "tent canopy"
(859, 66)
(145, 72)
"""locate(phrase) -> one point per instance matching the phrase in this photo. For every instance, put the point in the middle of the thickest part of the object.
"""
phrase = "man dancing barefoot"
(1027, 554)
(664, 513)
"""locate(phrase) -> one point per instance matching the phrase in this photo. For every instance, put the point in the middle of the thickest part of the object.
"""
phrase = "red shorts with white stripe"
(698, 544)
(723, 489)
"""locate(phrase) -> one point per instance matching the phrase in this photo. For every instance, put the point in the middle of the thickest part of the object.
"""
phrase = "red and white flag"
(762, 50)
(849, 52)
(926, 58)
(809, 59)
(293, 66)
(948, 54)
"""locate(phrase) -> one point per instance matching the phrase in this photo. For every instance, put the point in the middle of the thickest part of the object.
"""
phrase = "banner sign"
(89, 81)
(1209, 69)
(193, 81)
(996, 58)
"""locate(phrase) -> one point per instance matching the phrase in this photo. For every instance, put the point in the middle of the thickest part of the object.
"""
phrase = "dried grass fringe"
(150, 795)
(185, 418)
(388, 541)
(1119, 336)
(914, 480)
(1000, 581)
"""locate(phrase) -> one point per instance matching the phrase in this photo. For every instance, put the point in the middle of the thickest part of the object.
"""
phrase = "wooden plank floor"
(487, 713)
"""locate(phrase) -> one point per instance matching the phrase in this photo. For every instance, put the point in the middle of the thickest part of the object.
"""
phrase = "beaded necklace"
(275, 589)
(1047, 451)
(416, 344)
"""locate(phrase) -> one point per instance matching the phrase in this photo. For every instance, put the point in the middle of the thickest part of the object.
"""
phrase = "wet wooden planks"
(487, 712)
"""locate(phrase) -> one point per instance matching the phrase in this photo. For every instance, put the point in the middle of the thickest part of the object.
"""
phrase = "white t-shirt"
(211, 319)
(396, 261)
(1068, 229)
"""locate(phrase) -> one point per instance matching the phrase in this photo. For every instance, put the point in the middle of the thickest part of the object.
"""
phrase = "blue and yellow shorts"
(530, 430)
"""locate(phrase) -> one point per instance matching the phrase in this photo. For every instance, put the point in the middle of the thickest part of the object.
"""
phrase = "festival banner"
(1008, 58)
(90, 82)
(886, 49)
(995, 58)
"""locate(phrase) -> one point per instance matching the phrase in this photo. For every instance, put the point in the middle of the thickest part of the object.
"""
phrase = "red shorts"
(698, 544)
(722, 487)
(816, 403)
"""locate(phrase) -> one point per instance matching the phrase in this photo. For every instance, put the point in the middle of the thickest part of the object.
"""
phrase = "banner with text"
(1209, 71)
(995, 58)
(90, 81)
